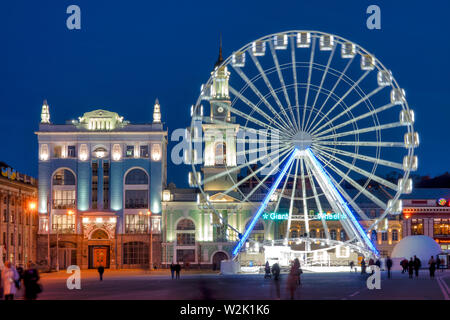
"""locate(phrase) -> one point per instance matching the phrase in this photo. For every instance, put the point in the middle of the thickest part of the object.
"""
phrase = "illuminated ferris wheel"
(318, 122)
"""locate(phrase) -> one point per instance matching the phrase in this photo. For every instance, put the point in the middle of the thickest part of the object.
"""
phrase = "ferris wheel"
(319, 122)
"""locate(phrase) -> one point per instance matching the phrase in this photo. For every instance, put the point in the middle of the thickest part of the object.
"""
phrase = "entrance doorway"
(98, 256)
(217, 258)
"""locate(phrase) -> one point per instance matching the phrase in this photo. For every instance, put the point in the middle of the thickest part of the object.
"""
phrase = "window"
(374, 236)
(136, 176)
(294, 233)
(186, 224)
(19, 239)
(63, 199)
(343, 235)
(220, 154)
(105, 185)
(185, 239)
(322, 234)
(186, 255)
(441, 227)
(136, 199)
(384, 236)
(333, 235)
(71, 152)
(12, 239)
(57, 152)
(94, 185)
(63, 223)
(394, 235)
(417, 227)
(5, 216)
(135, 253)
(135, 223)
(4, 238)
(144, 151)
(130, 152)
(313, 234)
(257, 233)
(63, 177)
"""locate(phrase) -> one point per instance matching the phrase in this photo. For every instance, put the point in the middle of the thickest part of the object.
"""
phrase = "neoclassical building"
(100, 184)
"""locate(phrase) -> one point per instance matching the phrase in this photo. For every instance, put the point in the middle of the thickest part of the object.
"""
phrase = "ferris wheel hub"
(302, 140)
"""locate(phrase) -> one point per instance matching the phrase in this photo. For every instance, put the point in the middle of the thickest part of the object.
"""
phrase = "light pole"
(32, 207)
(149, 214)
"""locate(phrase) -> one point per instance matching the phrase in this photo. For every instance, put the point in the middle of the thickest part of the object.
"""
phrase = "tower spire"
(157, 112)
(45, 113)
(220, 59)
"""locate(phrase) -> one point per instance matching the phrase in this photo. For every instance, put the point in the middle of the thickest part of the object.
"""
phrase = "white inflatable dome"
(422, 246)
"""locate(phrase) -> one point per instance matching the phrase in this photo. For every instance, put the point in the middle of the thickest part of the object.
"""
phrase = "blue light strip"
(264, 204)
(343, 203)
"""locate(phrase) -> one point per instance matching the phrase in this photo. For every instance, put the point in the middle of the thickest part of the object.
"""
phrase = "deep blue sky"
(130, 52)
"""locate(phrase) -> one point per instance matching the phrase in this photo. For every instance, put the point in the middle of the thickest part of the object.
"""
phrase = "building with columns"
(100, 184)
(18, 217)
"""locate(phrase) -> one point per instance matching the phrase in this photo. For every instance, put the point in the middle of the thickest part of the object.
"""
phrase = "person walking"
(411, 268)
(432, 264)
(417, 265)
(101, 270)
(404, 264)
(389, 266)
(276, 278)
(10, 276)
(352, 264)
(172, 269)
(363, 266)
(294, 278)
(177, 270)
(438, 263)
(267, 271)
(30, 281)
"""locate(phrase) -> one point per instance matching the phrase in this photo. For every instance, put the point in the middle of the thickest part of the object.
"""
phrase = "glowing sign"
(275, 216)
(330, 216)
(442, 202)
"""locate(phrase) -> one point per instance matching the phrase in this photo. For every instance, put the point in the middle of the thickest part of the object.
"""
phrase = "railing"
(64, 204)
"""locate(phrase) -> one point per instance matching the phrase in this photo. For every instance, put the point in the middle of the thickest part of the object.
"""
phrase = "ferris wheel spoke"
(267, 176)
(347, 110)
(360, 117)
(255, 90)
(369, 195)
(358, 156)
(305, 202)
(359, 170)
(340, 100)
(311, 60)
(272, 91)
(362, 143)
(284, 187)
(294, 71)
(316, 199)
(254, 107)
(283, 85)
(320, 86)
(291, 204)
(245, 164)
(254, 173)
(359, 131)
(331, 92)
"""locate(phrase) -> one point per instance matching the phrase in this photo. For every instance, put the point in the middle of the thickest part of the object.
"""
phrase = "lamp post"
(149, 214)
(31, 207)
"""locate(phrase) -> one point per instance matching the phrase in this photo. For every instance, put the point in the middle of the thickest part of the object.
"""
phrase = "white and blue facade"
(100, 186)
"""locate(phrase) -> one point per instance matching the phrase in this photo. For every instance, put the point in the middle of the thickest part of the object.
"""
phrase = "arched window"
(374, 236)
(136, 176)
(135, 252)
(136, 189)
(322, 234)
(333, 234)
(343, 235)
(220, 153)
(185, 233)
(63, 177)
(63, 189)
(395, 235)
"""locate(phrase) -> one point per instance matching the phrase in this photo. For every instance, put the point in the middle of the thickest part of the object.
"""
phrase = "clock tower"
(220, 133)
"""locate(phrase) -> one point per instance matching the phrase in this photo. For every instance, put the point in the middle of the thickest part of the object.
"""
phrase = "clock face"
(220, 109)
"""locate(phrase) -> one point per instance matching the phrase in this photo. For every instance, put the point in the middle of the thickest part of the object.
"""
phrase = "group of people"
(293, 281)
(12, 279)
(175, 269)
(413, 265)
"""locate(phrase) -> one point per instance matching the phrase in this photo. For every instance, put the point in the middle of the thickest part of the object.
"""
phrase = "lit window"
(130, 152)
(144, 151)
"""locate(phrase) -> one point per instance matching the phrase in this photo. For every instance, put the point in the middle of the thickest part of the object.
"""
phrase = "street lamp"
(149, 214)
(31, 207)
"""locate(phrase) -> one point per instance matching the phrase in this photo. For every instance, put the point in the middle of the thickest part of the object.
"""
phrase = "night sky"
(128, 53)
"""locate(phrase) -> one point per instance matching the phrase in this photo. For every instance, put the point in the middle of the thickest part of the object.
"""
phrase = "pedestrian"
(9, 278)
(267, 271)
(389, 266)
(293, 278)
(404, 264)
(363, 266)
(172, 269)
(352, 264)
(177, 270)
(411, 268)
(101, 270)
(417, 265)
(276, 278)
(371, 263)
(30, 281)
(378, 263)
(432, 264)
(438, 263)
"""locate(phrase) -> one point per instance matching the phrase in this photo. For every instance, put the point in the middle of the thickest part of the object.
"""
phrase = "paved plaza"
(196, 285)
